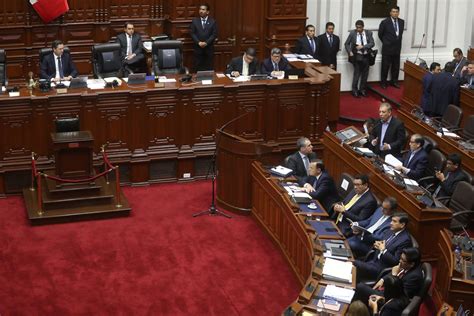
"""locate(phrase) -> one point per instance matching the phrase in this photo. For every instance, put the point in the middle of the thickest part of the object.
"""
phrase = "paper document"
(311, 60)
(220, 75)
(301, 195)
(281, 171)
(364, 150)
(339, 293)
(391, 160)
(290, 56)
(337, 270)
(345, 184)
(410, 182)
(164, 79)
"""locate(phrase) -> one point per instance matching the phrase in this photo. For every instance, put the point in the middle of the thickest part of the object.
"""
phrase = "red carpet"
(158, 261)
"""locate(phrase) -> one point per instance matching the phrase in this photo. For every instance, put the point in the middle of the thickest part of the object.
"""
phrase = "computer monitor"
(137, 78)
(204, 75)
(79, 82)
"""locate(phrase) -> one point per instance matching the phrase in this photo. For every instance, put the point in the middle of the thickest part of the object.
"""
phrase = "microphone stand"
(212, 210)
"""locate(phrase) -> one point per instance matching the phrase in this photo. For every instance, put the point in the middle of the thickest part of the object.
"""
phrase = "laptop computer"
(294, 72)
(204, 75)
(137, 78)
(79, 82)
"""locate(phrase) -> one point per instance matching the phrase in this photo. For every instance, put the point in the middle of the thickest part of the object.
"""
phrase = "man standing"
(357, 45)
(328, 46)
(203, 33)
(275, 64)
(245, 65)
(299, 162)
(388, 136)
(444, 91)
(307, 44)
(57, 66)
(390, 33)
(131, 49)
(435, 68)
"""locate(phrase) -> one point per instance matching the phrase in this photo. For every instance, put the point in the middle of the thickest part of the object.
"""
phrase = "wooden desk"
(454, 290)
(445, 144)
(424, 222)
(162, 134)
(413, 90)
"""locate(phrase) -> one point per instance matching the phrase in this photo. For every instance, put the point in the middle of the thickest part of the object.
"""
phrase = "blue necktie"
(395, 25)
(60, 68)
(311, 42)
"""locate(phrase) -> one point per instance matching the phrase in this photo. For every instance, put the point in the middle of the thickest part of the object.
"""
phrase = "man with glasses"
(245, 65)
(276, 64)
(415, 161)
(300, 161)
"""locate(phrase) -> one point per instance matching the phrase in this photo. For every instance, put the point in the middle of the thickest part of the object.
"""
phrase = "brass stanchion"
(38, 194)
(117, 187)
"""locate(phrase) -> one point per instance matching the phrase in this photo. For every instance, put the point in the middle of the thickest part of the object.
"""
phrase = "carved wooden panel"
(15, 130)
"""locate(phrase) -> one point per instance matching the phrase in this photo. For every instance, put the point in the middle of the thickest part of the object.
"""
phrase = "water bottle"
(457, 254)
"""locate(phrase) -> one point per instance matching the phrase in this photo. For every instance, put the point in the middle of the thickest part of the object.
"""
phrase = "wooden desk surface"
(424, 222)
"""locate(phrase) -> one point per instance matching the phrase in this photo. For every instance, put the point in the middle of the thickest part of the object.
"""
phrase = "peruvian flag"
(49, 10)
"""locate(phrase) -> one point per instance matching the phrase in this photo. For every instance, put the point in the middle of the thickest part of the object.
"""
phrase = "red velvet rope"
(76, 181)
(106, 160)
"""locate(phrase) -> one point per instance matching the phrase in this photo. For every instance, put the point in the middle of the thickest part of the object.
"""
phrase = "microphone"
(233, 120)
(432, 46)
(419, 47)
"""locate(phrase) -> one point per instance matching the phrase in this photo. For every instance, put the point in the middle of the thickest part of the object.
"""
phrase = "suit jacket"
(327, 54)
(302, 46)
(458, 70)
(394, 249)
(444, 90)
(417, 164)
(394, 306)
(236, 64)
(448, 185)
(350, 44)
(325, 190)
(412, 281)
(362, 209)
(137, 46)
(207, 34)
(391, 43)
(295, 163)
(48, 66)
(380, 231)
(394, 136)
(267, 65)
(467, 79)
(426, 98)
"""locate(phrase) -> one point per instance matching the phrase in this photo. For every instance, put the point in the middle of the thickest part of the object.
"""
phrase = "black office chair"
(430, 144)
(436, 161)
(340, 189)
(67, 124)
(48, 50)
(451, 117)
(462, 205)
(468, 131)
(106, 60)
(168, 57)
(3, 68)
(415, 303)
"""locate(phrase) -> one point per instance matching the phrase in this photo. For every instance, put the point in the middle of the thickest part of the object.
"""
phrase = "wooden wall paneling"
(253, 100)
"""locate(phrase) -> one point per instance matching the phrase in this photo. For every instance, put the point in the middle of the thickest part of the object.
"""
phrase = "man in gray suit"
(131, 49)
(459, 63)
(357, 45)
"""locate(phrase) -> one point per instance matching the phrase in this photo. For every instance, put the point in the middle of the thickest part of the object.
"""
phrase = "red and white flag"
(48, 10)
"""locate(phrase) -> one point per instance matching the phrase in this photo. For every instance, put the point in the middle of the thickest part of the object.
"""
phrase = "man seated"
(416, 160)
(245, 65)
(358, 205)
(276, 64)
(467, 78)
(408, 270)
(320, 185)
(57, 66)
(387, 250)
(300, 160)
(131, 49)
(451, 177)
(388, 136)
(361, 242)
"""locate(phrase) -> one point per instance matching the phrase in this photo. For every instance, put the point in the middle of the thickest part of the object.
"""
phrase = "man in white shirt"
(131, 49)
(245, 65)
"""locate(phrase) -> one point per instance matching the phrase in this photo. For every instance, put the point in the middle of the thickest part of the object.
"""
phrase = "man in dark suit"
(204, 33)
(444, 90)
(388, 250)
(435, 68)
(451, 177)
(245, 65)
(300, 160)
(376, 225)
(307, 44)
(390, 33)
(57, 66)
(276, 64)
(467, 78)
(459, 62)
(357, 45)
(358, 205)
(131, 49)
(388, 136)
(320, 185)
(408, 270)
(328, 45)
(416, 160)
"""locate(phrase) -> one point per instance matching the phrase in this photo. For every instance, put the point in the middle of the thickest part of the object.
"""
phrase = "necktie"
(203, 21)
(330, 40)
(275, 66)
(389, 240)
(129, 45)
(311, 42)
(348, 206)
(395, 25)
(60, 68)
(361, 39)
(401, 274)
(306, 163)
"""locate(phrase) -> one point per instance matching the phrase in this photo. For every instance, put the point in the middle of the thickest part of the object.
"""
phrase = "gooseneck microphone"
(432, 46)
(419, 47)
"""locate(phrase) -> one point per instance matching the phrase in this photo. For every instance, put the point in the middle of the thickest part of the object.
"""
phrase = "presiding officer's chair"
(48, 50)
(3, 68)
(67, 124)
(106, 60)
(168, 57)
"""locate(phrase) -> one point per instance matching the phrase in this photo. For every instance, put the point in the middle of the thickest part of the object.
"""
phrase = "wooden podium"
(234, 165)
